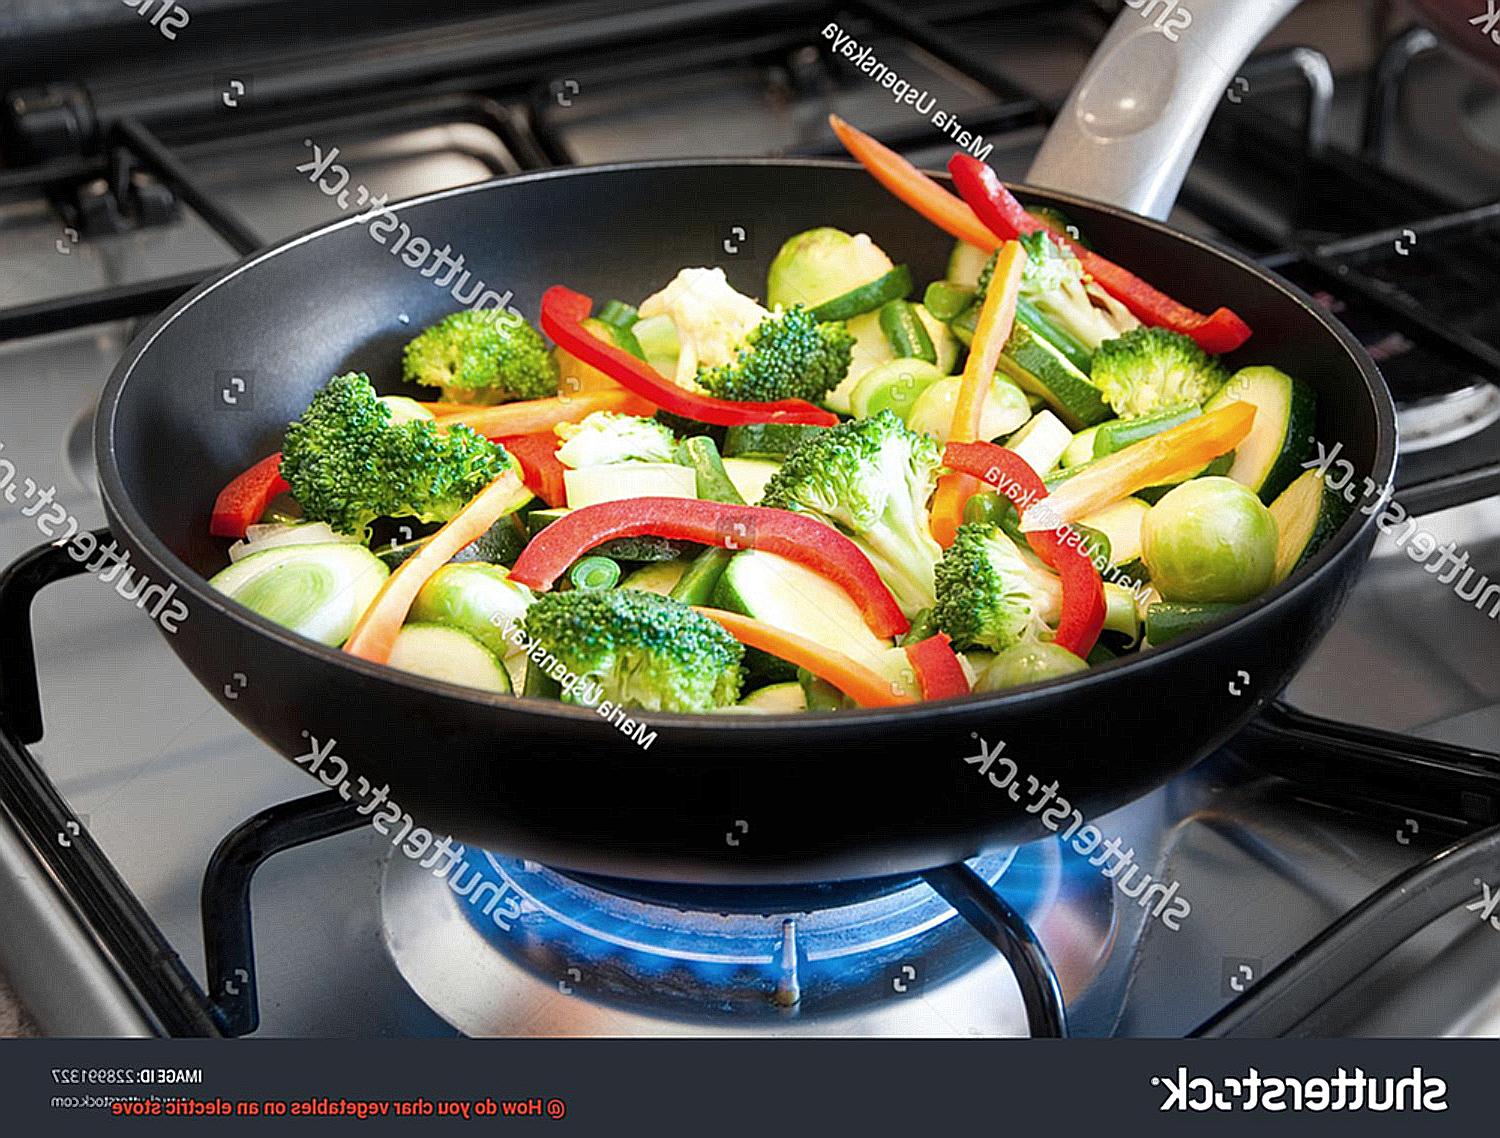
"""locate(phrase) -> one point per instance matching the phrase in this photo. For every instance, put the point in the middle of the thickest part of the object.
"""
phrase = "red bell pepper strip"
(939, 672)
(998, 208)
(243, 502)
(810, 543)
(1083, 605)
(563, 313)
(540, 469)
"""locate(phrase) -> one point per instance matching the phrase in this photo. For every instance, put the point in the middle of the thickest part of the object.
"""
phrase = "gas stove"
(166, 874)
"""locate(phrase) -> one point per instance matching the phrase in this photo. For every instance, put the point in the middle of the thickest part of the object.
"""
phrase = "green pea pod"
(905, 332)
(946, 300)
(923, 625)
(714, 484)
(696, 586)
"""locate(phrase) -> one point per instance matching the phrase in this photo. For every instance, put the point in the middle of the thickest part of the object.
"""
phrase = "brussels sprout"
(477, 598)
(821, 264)
(1209, 540)
(1004, 411)
(1028, 662)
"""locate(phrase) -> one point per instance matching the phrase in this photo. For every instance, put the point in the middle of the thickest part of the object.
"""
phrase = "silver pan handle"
(1132, 124)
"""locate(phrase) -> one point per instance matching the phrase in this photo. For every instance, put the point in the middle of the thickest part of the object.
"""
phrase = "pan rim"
(122, 512)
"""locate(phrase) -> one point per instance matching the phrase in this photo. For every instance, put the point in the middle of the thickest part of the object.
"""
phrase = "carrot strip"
(375, 634)
(534, 415)
(947, 211)
(1173, 453)
(996, 319)
(865, 686)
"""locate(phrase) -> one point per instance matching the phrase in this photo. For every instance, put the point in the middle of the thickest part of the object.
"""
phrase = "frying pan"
(714, 799)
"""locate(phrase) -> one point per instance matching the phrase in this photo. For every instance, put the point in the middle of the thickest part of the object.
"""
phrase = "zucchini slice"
(657, 577)
(893, 386)
(750, 475)
(319, 591)
(1307, 513)
(443, 653)
(1038, 366)
(774, 699)
(767, 440)
(1280, 439)
(1081, 449)
(788, 596)
(870, 350)
(965, 264)
(895, 285)
(476, 599)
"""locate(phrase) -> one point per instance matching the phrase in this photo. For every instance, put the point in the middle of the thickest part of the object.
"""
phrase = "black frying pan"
(715, 799)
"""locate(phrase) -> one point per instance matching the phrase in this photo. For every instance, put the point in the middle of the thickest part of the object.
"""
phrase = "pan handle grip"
(1132, 124)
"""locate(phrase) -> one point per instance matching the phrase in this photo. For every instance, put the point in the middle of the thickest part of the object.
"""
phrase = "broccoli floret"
(1057, 287)
(348, 463)
(872, 479)
(990, 594)
(637, 649)
(482, 357)
(606, 437)
(1151, 369)
(790, 355)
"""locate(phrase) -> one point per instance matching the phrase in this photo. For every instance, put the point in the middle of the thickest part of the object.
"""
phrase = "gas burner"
(506, 947)
(1448, 418)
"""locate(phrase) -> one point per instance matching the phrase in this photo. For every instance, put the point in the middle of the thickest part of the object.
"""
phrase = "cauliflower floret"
(711, 318)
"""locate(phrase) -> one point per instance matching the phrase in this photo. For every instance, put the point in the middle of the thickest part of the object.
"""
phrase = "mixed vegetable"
(842, 497)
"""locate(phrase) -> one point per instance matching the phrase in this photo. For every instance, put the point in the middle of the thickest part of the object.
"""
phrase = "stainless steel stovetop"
(352, 942)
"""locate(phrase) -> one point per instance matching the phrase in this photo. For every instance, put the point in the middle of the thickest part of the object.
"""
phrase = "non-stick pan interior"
(342, 300)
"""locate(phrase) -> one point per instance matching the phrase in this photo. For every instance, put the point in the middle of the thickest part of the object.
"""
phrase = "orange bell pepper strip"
(996, 319)
(945, 210)
(375, 634)
(864, 685)
(1180, 451)
(536, 415)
